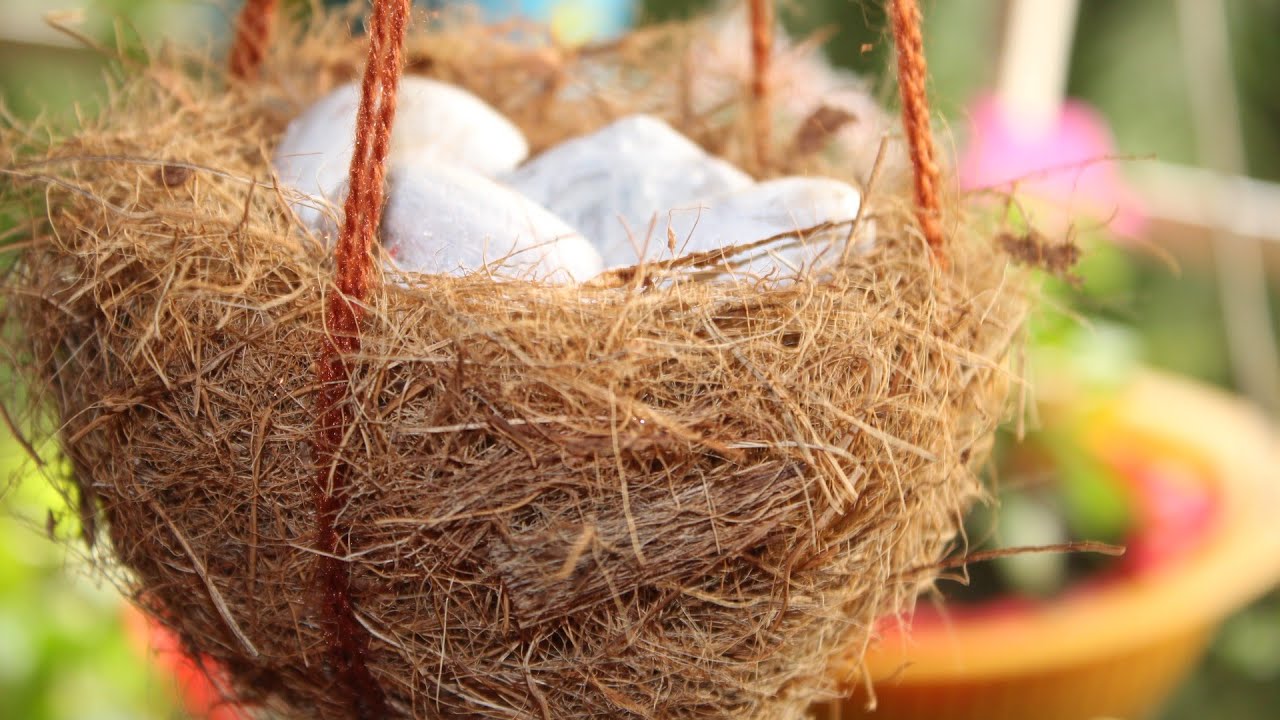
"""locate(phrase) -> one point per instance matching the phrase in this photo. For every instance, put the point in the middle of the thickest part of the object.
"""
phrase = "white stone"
(613, 183)
(435, 122)
(767, 210)
(448, 220)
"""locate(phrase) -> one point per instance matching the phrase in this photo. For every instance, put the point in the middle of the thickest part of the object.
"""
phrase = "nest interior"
(636, 498)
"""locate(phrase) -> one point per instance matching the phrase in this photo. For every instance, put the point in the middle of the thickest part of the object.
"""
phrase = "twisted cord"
(761, 86)
(913, 75)
(344, 312)
(254, 27)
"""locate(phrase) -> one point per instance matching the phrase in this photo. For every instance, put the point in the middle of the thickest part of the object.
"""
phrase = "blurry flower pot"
(1205, 479)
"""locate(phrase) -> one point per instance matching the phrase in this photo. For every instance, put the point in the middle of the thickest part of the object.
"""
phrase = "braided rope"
(761, 60)
(254, 27)
(344, 313)
(913, 75)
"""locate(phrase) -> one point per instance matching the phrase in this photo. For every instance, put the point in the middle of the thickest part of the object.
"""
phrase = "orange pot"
(1117, 649)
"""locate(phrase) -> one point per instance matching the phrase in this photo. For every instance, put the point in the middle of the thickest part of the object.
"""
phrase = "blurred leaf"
(1027, 520)
(64, 654)
(1250, 643)
(1095, 504)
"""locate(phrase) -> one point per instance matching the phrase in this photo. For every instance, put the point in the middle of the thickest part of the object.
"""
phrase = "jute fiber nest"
(667, 493)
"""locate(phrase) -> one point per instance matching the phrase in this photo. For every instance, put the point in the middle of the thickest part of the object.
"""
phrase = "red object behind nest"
(195, 683)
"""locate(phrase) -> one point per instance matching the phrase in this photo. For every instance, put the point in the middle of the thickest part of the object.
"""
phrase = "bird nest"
(670, 492)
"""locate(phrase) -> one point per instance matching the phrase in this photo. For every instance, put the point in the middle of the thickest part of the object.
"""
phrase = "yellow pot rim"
(1239, 560)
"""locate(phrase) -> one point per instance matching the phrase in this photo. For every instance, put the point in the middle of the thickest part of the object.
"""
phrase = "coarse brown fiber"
(674, 492)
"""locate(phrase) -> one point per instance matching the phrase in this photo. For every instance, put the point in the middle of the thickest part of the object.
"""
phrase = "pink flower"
(1070, 168)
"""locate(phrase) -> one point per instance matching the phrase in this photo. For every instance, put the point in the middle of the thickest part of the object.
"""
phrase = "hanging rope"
(761, 60)
(254, 27)
(913, 75)
(344, 312)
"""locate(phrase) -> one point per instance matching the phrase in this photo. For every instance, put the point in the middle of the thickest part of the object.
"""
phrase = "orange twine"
(761, 58)
(344, 312)
(254, 27)
(913, 75)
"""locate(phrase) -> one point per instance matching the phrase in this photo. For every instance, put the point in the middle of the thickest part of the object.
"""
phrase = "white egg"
(613, 183)
(435, 122)
(440, 219)
(767, 210)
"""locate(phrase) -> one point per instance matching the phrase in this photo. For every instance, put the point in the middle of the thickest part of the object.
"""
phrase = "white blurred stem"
(1242, 280)
(1032, 77)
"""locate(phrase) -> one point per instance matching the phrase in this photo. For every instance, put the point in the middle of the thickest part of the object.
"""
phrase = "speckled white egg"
(435, 122)
(613, 183)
